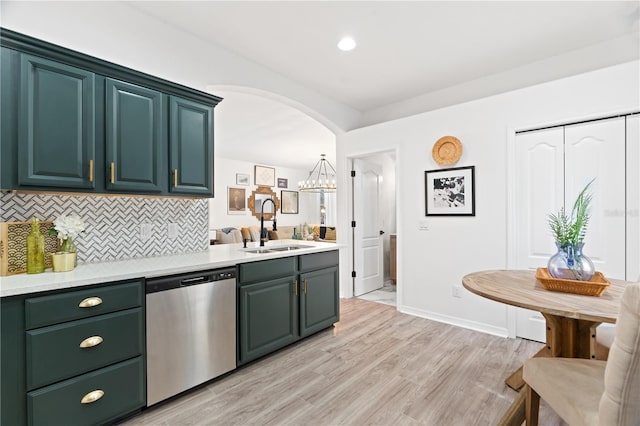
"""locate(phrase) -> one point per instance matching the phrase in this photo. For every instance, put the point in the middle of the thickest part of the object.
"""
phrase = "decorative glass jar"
(68, 246)
(569, 263)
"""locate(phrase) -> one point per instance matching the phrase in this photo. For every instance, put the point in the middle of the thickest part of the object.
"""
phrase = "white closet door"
(633, 198)
(597, 150)
(539, 191)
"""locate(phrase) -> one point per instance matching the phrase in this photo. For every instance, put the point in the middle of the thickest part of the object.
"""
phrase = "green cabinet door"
(191, 147)
(135, 138)
(268, 317)
(319, 300)
(13, 404)
(56, 140)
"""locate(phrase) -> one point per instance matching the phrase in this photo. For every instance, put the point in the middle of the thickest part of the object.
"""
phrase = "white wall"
(431, 262)
(225, 176)
(119, 33)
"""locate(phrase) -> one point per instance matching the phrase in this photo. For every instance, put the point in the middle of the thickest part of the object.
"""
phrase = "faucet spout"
(263, 231)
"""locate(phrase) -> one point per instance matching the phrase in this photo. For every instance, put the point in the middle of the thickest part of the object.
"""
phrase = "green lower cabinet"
(274, 312)
(60, 346)
(268, 317)
(319, 300)
(12, 362)
(93, 398)
(64, 350)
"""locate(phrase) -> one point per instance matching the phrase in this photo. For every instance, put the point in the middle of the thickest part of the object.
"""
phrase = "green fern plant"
(571, 229)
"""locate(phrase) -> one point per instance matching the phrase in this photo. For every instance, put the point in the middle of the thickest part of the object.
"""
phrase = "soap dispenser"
(35, 249)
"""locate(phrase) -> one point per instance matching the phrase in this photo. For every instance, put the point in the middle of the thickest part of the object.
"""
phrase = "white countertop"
(216, 256)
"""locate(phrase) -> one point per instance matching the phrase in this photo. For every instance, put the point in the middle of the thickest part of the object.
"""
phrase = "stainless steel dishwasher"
(191, 330)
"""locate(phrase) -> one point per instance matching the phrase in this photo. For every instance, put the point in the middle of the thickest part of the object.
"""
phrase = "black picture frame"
(283, 183)
(450, 192)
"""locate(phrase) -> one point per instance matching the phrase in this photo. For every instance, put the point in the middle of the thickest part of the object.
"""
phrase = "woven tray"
(594, 287)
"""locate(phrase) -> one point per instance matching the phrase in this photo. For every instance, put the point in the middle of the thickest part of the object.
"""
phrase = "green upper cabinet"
(135, 138)
(56, 135)
(71, 122)
(191, 147)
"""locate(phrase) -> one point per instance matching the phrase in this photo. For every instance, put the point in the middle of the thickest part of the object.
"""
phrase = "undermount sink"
(287, 248)
(274, 249)
(260, 250)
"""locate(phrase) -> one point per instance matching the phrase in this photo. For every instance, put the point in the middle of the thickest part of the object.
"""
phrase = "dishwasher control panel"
(154, 285)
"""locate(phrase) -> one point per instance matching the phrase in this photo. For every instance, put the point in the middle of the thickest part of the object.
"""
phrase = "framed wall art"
(283, 183)
(450, 192)
(236, 200)
(289, 202)
(242, 179)
(264, 176)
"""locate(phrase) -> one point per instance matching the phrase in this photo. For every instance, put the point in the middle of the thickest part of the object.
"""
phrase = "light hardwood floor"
(375, 367)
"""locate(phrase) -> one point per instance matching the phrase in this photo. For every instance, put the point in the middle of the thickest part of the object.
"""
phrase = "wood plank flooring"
(375, 367)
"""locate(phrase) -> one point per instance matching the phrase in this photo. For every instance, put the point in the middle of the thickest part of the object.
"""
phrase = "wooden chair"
(591, 392)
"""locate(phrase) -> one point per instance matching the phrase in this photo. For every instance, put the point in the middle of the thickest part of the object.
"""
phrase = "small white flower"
(68, 226)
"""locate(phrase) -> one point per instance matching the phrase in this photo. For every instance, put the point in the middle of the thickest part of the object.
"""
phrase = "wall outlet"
(145, 231)
(457, 291)
(172, 231)
(423, 225)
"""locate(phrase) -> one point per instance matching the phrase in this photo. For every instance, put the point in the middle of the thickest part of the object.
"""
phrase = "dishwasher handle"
(170, 282)
(196, 280)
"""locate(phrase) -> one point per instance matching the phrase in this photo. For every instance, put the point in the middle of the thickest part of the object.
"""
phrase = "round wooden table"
(571, 319)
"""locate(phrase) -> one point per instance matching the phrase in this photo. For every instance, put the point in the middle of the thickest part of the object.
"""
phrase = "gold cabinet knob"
(92, 396)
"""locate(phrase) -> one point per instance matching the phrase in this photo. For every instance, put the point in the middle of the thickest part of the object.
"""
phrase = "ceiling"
(405, 49)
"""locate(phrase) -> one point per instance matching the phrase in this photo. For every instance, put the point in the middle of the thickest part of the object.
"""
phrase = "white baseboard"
(458, 322)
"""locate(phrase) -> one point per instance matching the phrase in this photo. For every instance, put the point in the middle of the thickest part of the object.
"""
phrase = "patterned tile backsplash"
(113, 223)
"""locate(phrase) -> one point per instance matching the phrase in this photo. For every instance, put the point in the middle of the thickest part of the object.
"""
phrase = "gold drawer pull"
(92, 396)
(90, 170)
(92, 341)
(295, 287)
(304, 286)
(175, 178)
(113, 172)
(90, 302)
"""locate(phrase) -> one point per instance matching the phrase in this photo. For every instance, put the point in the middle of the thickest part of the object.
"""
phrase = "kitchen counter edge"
(216, 256)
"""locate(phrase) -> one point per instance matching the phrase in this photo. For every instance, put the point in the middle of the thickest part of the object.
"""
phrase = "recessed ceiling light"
(346, 44)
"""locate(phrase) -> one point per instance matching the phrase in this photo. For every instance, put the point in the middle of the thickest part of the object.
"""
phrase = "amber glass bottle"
(35, 249)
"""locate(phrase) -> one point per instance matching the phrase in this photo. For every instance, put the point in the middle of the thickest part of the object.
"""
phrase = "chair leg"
(532, 407)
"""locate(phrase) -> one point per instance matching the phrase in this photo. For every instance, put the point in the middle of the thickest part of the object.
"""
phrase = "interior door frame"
(511, 187)
(349, 161)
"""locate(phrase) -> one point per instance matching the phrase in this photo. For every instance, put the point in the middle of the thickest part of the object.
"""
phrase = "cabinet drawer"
(57, 308)
(54, 352)
(122, 384)
(267, 269)
(310, 262)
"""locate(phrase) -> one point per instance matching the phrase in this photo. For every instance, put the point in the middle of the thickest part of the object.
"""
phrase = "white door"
(597, 150)
(367, 198)
(633, 198)
(539, 191)
(553, 165)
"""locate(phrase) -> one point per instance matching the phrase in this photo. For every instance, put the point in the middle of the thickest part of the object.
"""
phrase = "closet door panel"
(597, 150)
(633, 198)
(539, 192)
